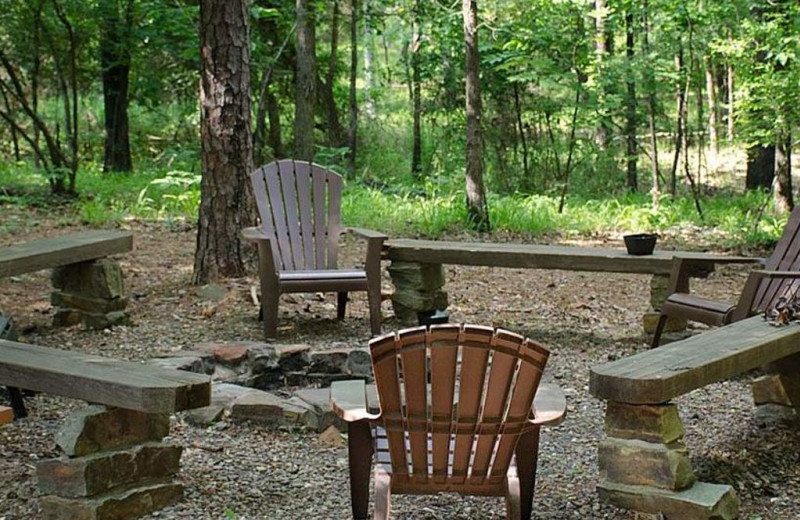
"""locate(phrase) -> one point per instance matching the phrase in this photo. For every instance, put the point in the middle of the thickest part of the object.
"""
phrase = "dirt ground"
(253, 472)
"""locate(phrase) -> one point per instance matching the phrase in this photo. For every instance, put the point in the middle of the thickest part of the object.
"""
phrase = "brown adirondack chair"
(299, 205)
(457, 413)
(780, 278)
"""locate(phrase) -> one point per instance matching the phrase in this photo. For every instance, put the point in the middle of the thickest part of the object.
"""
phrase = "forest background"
(522, 118)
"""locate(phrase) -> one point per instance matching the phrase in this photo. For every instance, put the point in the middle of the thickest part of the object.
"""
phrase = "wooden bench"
(644, 464)
(416, 267)
(89, 288)
(115, 459)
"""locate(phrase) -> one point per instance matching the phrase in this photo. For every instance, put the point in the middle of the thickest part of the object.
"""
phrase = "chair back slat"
(786, 257)
(334, 218)
(303, 224)
(444, 364)
(387, 379)
(414, 364)
(290, 171)
(454, 402)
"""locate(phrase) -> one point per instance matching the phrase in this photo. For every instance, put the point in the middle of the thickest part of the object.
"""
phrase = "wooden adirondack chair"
(299, 205)
(780, 278)
(457, 413)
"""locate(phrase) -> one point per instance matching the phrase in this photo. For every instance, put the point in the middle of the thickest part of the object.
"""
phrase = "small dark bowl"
(641, 243)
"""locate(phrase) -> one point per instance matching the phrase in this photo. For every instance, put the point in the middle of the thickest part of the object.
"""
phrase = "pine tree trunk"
(477, 209)
(713, 108)
(630, 102)
(760, 167)
(115, 62)
(369, 103)
(306, 82)
(602, 132)
(336, 134)
(731, 98)
(353, 76)
(655, 191)
(226, 204)
(416, 94)
(782, 194)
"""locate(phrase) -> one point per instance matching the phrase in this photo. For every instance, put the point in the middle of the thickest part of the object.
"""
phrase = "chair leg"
(269, 312)
(374, 297)
(359, 448)
(383, 494)
(662, 321)
(341, 305)
(17, 402)
(512, 499)
(527, 454)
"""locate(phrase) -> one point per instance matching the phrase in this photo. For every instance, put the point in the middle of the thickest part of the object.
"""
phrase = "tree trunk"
(760, 167)
(353, 76)
(416, 94)
(226, 204)
(731, 98)
(655, 191)
(630, 102)
(115, 62)
(306, 81)
(521, 129)
(274, 139)
(713, 108)
(477, 209)
(603, 130)
(336, 134)
(782, 194)
(369, 103)
(680, 102)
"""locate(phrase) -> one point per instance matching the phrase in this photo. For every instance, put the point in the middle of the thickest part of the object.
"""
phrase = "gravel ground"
(247, 471)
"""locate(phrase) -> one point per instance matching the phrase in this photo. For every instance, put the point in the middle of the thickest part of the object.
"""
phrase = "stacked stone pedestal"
(116, 467)
(645, 466)
(777, 394)
(91, 293)
(418, 287)
(659, 290)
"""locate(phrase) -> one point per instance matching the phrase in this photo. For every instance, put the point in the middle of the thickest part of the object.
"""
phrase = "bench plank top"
(658, 375)
(537, 256)
(95, 379)
(66, 249)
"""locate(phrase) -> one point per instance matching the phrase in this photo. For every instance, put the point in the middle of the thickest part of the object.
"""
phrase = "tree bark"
(630, 104)
(353, 76)
(416, 93)
(655, 190)
(336, 134)
(713, 108)
(369, 103)
(306, 81)
(477, 209)
(760, 167)
(603, 130)
(680, 124)
(226, 204)
(115, 61)
(782, 194)
(731, 99)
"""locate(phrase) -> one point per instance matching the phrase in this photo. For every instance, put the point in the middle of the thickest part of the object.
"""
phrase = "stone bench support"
(645, 466)
(91, 293)
(116, 466)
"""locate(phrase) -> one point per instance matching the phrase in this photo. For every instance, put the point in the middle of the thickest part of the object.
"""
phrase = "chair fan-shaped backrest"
(454, 401)
(299, 204)
(786, 257)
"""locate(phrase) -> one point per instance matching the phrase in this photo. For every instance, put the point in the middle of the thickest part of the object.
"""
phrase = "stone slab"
(639, 463)
(702, 501)
(97, 428)
(121, 506)
(769, 389)
(187, 363)
(652, 423)
(205, 416)
(108, 471)
(258, 406)
(99, 278)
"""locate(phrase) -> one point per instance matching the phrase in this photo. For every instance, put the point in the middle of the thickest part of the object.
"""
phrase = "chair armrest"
(349, 401)
(549, 406)
(366, 233)
(685, 267)
(253, 234)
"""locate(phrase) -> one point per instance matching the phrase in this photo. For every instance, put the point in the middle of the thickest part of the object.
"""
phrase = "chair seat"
(323, 280)
(697, 308)
(491, 485)
(322, 274)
